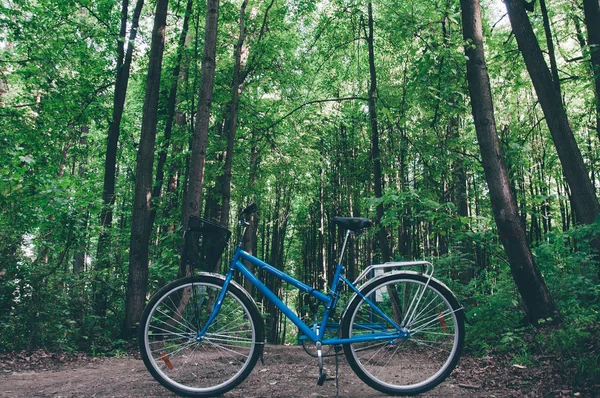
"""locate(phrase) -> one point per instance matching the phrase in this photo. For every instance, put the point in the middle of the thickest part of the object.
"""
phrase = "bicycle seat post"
(348, 233)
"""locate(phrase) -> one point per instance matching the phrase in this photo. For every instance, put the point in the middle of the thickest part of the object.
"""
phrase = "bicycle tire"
(210, 366)
(434, 321)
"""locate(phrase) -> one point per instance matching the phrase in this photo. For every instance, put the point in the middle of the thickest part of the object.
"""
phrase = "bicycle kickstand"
(322, 374)
(337, 349)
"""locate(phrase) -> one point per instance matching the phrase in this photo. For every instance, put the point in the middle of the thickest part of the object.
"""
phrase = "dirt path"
(287, 372)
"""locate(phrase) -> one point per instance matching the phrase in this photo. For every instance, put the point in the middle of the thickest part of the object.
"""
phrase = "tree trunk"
(84, 214)
(375, 154)
(322, 255)
(384, 245)
(585, 202)
(141, 223)
(162, 155)
(110, 161)
(192, 202)
(175, 168)
(276, 258)
(528, 278)
(231, 121)
(550, 44)
(250, 244)
(591, 9)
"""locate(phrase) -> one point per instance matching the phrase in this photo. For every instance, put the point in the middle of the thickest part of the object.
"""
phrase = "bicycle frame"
(329, 300)
(202, 335)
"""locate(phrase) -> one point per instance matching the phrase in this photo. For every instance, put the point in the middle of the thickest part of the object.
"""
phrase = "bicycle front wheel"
(431, 320)
(193, 365)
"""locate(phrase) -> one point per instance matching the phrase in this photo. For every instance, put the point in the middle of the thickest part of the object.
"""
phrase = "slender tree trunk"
(591, 9)
(250, 244)
(84, 215)
(231, 120)
(527, 276)
(321, 258)
(192, 201)
(141, 223)
(550, 45)
(176, 168)
(384, 245)
(110, 161)
(162, 155)
(375, 153)
(276, 258)
(585, 202)
(273, 285)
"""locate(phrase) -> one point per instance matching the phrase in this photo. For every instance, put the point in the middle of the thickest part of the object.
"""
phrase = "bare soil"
(288, 372)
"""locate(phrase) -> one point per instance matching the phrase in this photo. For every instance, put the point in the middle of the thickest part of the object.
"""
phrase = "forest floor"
(288, 372)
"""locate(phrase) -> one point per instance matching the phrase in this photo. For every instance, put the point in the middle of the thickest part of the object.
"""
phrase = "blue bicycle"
(402, 331)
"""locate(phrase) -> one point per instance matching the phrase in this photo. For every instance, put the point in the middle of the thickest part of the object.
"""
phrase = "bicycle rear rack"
(426, 265)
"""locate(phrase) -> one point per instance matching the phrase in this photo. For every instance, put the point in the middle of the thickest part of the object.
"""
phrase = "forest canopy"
(119, 120)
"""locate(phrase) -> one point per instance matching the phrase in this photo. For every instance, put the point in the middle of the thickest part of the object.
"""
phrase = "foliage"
(573, 345)
(302, 152)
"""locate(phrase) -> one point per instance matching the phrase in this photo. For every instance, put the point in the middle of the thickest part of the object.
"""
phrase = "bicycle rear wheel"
(430, 315)
(208, 366)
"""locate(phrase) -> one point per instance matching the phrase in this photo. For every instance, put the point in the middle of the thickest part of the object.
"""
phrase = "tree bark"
(141, 223)
(550, 44)
(276, 258)
(231, 120)
(321, 256)
(527, 276)
(375, 153)
(181, 123)
(110, 161)
(591, 9)
(195, 181)
(585, 202)
(162, 155)
(250, 241)
(81, 245)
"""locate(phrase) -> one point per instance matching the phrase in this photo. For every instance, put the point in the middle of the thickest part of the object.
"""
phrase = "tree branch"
(312, 103)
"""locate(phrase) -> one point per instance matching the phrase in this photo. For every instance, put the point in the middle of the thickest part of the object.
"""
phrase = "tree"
(141, 223)
(110, 161)
(527, 276)
(232, 119)
(583, 194)
(375, 152)
(591, 10)
(195, 179)
(172, 112)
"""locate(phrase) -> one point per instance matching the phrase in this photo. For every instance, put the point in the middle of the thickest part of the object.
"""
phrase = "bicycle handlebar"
(251, 208)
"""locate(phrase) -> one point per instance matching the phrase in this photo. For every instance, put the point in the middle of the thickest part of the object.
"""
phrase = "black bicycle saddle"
(352, 223)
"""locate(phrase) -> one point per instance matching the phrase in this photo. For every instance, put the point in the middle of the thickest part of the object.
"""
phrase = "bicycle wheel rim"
(184, 364)
(432, 319)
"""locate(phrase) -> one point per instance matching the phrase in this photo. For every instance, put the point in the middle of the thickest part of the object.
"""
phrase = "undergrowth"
(498, 322)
